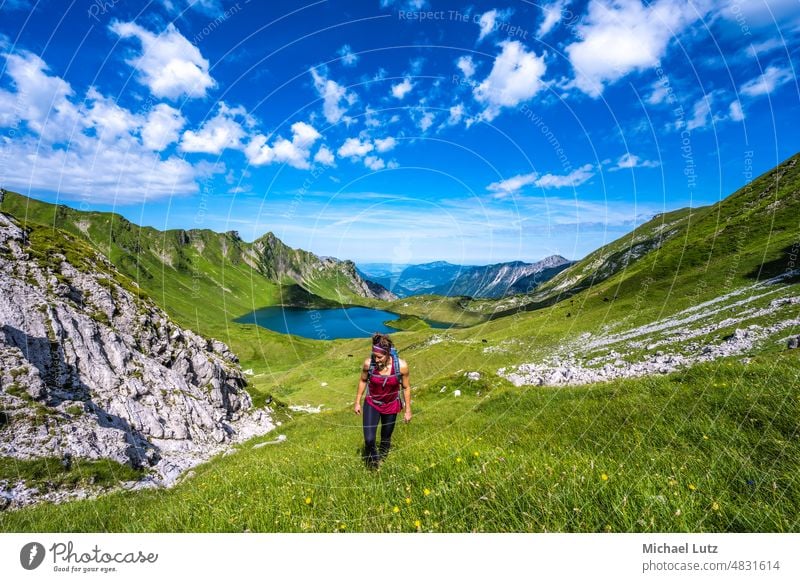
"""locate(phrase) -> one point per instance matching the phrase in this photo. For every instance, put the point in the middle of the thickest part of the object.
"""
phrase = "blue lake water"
(326, 324)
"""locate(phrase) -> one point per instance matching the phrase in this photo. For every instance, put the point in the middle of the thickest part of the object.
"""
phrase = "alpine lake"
(326, 324)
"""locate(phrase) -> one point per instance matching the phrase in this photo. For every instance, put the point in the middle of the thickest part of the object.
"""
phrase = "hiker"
(383, 375)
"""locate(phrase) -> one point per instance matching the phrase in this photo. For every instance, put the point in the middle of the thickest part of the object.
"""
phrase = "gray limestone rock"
(90, 370)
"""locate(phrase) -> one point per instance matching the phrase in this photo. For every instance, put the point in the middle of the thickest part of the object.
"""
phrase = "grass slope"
(712, 449)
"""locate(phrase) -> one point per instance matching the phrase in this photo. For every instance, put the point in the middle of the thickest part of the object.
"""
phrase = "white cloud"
(386, 144)
(374, 163)
(621, 36)
(401, 89)
(466, 66)
(332, 94)
(735, 111)
(512, 185)
(553, 13)
(295, 153)
(659, 93)
(456, 113)
(491, 20)
(91, 170)
(630, 161)
(486, 23)
(571, 180)
(767, 46)
(701, 113)
(517, 183)
(40, 100)
(91, 152)
(325, 157)
(426, 121)
(221, 132)
(516, 77)
(162, 127)
(349, 59)
(109, 120)
(355, 148)
(766, 83)
(169, 65)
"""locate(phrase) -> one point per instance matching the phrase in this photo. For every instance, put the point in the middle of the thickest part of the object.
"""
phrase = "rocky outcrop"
(723, 327)
(278, 262)
(89, 369)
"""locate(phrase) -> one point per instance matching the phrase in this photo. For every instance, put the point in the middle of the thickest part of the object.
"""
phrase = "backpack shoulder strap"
(396, 363)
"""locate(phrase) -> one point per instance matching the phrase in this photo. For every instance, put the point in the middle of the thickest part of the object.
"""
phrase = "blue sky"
(397, 131)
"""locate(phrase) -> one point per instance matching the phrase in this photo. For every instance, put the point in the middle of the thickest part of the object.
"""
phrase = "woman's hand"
(407, 416)
(357, 408)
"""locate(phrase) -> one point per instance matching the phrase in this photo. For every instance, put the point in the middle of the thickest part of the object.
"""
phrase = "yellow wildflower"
(308, 501)
(692, 487)
(715, 506)
(427, 491)
(396, 509)
(408, 501)
(604, 477)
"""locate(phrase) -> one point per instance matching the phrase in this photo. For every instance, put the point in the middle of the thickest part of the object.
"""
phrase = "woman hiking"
(383, 376)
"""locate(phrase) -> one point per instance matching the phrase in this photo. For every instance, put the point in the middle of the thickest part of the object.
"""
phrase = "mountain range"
(446, 279)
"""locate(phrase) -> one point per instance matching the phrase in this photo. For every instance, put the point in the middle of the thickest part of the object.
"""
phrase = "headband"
(379, 350)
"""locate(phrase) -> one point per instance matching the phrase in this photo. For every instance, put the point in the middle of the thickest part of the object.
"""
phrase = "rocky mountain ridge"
(479, 281)
(90, 369)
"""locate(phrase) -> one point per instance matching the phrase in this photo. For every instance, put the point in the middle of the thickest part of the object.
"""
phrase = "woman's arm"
(406, 390)
(362, 386)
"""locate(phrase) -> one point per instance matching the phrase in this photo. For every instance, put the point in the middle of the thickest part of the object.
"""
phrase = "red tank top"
(385, 389)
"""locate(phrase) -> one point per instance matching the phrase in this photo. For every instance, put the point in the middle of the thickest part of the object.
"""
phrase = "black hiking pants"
(371, 419)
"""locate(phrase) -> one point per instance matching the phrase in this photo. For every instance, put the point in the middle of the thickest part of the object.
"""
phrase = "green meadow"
(711, 449)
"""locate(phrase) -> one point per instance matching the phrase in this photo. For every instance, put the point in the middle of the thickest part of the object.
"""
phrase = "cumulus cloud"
(426, 121)
(40, 100)
(386, 144)
(767, 82)
(553, 13)
(325, 157)
(466, 66)
(488, 21)
(108, 120)
(349, 59)
(223, 131)
(400, 90)
(374, 163)
(515, 184)
(87, 151)
(618, 37)
(169, 65)
(295, 152)
(516, 76)
(456, 114)
(162, 127)
(629, 161)
(333, 94)
(355, 148)
(701, 113)
(735, 111)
